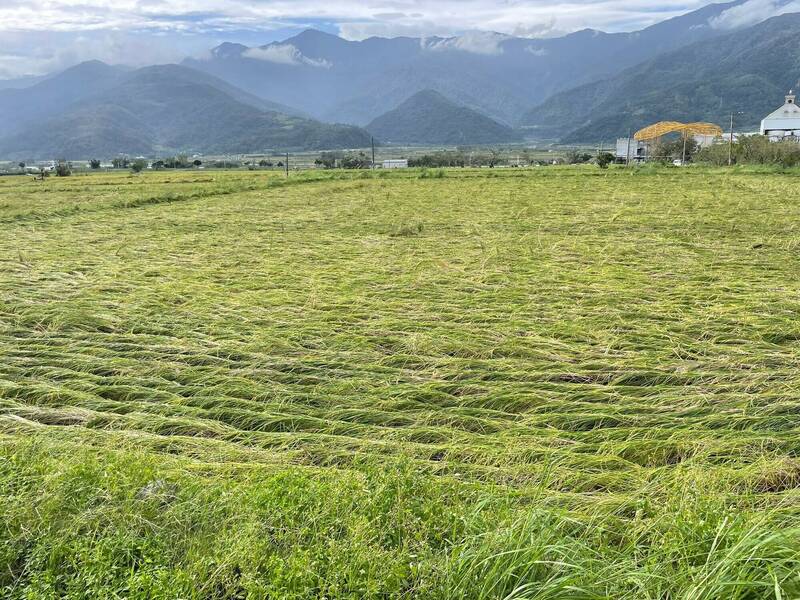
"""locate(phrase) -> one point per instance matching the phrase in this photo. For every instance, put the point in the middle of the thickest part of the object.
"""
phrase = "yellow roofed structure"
(657, 130)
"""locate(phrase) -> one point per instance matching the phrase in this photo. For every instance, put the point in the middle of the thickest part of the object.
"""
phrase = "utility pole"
(287, 164)
(372, 140)
(628, 152)
(730, 145)
(683, 156)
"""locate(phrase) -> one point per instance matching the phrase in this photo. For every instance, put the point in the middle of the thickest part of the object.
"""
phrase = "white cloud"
(285, 54)
(537, 51)
(475, 42)
(427, 17)
(542, 29)
(360, 30)
(38, 53)
(32, 28)
(753, 12)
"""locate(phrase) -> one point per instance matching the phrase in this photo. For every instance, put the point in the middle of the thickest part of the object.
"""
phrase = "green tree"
(139, 165)
(669, 150)
(604, 159)
(445, 158)
(94, 163)
(356, 161)
(177, 162)
(577, 157)
(753, 150)
(328, 160)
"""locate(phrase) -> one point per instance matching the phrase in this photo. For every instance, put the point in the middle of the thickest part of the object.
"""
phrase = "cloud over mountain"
(39, 36)
(752, 12)
(476, 42)
(285, 54)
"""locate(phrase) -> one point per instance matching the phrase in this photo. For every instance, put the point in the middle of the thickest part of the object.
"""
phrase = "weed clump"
(407, 229)
(431, 174)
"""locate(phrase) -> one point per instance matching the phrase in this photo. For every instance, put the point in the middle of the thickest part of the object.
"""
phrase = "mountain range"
(430, 118)
(478, 88)
(104, 111)
(746, 73)
(499, 75)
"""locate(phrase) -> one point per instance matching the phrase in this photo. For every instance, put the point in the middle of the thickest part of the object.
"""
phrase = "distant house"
(629, 149)
(784, 122)
(401, 163)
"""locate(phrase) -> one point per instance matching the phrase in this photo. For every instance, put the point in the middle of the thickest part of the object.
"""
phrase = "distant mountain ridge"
(499, 75)
(747, 73)
(429, 118)
(477, 88)
(51, 95)
(169, 109)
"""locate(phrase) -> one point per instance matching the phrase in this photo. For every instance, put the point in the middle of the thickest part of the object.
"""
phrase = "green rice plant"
(528, 383)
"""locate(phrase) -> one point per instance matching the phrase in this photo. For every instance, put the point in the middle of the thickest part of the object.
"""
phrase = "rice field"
(549, 383)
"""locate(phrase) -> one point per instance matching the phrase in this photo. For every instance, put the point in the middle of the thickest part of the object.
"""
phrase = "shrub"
(604, 159)
(177, 162)
(328, 160)
(576, 157)
(227, 164)
(669, 150)
(754, 150)
(447, 158)
(356, 161)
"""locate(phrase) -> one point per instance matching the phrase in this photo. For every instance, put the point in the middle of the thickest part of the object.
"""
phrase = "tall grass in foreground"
(83, 522)
(535, 385)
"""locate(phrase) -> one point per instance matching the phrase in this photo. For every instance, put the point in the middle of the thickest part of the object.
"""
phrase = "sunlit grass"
(551, 383)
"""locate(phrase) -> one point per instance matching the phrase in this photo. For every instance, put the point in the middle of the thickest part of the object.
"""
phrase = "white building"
(395, 164)
(784, 122)
(629, 149)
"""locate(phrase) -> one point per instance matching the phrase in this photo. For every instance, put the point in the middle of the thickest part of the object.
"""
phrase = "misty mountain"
(21, 82)
(168, 109)
(27, 105)
(430, 118)
(498, 75)
(748, 72)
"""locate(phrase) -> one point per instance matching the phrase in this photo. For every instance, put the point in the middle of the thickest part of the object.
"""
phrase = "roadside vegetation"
(753, 150)
(525, 383)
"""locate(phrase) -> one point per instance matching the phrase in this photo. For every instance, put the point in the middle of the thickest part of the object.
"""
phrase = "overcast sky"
(39, 36)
